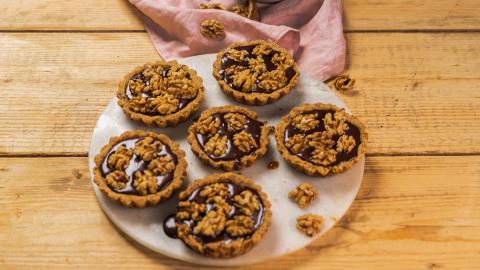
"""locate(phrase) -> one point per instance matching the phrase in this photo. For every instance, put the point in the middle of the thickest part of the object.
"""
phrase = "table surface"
(418, 91)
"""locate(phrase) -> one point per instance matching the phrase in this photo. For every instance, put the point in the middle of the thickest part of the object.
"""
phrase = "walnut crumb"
(212, 29)
(145, 183)
(147, 148)
(304, 194)
(120, 158)
(117, 180)
(240, 226)
(310, 224)
(247, 202)
(212, 224)
(344, 82)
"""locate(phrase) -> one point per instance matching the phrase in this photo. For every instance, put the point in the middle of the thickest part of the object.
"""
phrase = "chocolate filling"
(306, 154)
(183, 102)
(227, 62)
(137, 164)
(253, 127)
(170, 223)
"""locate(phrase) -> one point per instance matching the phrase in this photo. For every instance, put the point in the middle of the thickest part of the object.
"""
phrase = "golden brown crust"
(254, 98)
(139, 200)
(240, 245)
(246, 160)
(308, 167)
(172, 119)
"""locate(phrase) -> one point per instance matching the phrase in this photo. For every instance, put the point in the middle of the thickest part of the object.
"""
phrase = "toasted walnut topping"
(273, 80)
(345, 144)
(215, 190)
(263, 48)
(336, 124)
(244, 80)
(320, 140)
(190, 210)
(295, 144)
(310, 224)
(136, 86)
(117, 180)
(237, 55)
(304, 194)
(247, 202)
(235, 121)
(344, 82)
(179, 84)
(120, 159)
(324, 157)
(305, 122)
(147, 148)
(166, 104)
(145, 183)
(212, 6)
(217, 145)
(212, 29)
(212, 224)
(220, 204)
(240, 226)
(139, 104)
(209, 126)
(240, 10)
(161, 165)
(244, 141)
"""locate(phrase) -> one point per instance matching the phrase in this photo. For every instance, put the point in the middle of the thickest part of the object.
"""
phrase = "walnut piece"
(220, 204)
(147, 148)
(235, 121)
(320, 140)
(117, 180)
(212, 224)
(139, 104)
(120, 158)
(217, 145)
(345, 144)
(161, 165)
(240, 226)
(179, 84)
(273, 80)
(244, 141)
(305, 122)
(209, 126)
(165, 104)
(145, 183)
(215, 190)
(190, 210)
(296, 143)
(212, 6)
(212, 29)
(247, 202)
(244, 80)
(324, 157)
(344, 82)
(240, 10)
(310, 224)
(304, 194)
(237, 55)
(262, 49)
(336, 124)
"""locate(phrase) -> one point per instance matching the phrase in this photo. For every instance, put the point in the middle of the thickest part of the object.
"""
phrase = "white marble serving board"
(336, 193)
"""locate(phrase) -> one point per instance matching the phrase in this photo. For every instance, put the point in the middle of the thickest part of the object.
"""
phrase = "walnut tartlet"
(228, 137)
(222, 215)
(255, 72)
(320, 139)
(160, 94)
(139, 168)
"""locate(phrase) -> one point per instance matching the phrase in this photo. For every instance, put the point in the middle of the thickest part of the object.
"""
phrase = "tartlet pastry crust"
(161, 120)
(255, 98)
(141, 201)
(306, 166)
(241, 245)
(228, 165)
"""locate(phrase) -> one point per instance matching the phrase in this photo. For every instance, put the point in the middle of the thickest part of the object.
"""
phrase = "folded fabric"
(311, 30)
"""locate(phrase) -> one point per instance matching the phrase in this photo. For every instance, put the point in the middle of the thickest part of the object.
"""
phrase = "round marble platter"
(336, 193)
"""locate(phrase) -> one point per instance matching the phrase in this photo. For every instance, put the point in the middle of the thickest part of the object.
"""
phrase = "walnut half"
(310, 224)
(212, 29)
(304, 194)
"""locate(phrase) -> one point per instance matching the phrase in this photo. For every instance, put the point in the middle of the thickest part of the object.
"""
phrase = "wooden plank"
(417, 93)
(120, 15)
(49, 218)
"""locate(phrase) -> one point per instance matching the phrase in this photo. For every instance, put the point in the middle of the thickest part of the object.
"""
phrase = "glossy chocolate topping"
(227, 62)
(252, 126)
(306, 154)
(169, 224)
(183, 102)
(137, 164)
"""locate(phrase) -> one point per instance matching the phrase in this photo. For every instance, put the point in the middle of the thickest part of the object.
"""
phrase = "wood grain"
(418, 93)
(411, 213)
(119, 15)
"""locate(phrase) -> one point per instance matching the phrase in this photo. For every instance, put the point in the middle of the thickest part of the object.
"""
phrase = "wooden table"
(417, 65)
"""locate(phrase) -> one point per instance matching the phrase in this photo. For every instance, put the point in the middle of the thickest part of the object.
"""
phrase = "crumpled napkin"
(312, 30)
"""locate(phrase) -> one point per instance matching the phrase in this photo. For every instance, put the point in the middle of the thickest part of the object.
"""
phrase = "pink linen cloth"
(311, 29)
